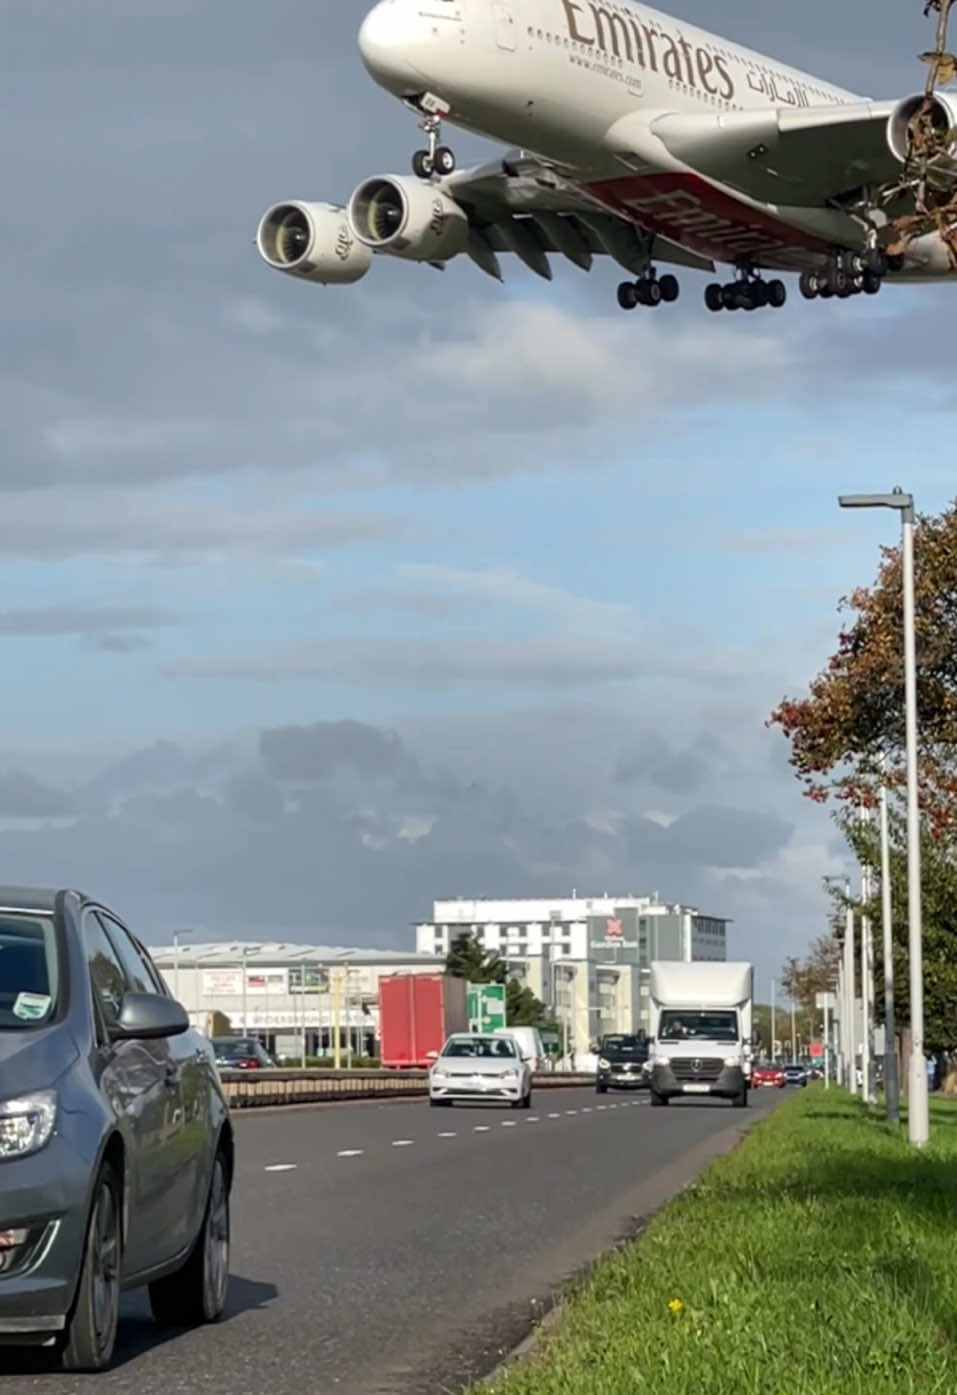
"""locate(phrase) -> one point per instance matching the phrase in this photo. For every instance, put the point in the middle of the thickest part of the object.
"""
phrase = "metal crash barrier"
(246, 1089)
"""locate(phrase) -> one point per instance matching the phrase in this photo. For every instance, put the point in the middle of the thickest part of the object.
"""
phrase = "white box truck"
(700, 1031)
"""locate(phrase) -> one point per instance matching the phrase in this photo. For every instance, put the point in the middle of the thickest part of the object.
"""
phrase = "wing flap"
(806, 157)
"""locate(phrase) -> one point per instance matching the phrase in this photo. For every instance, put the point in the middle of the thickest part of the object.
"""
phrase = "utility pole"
(773, 1029)
(794, 1053)
(849, 989)
(892, 1089)
(867, 972)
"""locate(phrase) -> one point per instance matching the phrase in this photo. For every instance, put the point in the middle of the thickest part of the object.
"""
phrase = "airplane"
(636, 136)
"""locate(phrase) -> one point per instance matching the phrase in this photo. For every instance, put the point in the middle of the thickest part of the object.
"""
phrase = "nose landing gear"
(648, 290)
(437, 159)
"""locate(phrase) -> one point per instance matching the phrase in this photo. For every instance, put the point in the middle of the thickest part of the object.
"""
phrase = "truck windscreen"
(711, 1025)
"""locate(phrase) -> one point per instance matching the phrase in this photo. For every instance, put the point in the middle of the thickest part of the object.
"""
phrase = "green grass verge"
(819, 1258)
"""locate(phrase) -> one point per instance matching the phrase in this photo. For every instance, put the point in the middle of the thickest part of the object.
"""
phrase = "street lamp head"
(895, 500)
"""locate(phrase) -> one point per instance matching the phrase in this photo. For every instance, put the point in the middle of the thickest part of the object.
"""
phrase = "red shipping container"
(417, 1012)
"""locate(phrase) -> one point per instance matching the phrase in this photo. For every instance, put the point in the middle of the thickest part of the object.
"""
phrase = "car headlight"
(438, 1074)
(603, 1064)
(26, 1123)
(732, 1060)
(509, 1074)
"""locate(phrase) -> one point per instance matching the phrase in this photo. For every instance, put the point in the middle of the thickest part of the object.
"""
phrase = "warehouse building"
(288, 995)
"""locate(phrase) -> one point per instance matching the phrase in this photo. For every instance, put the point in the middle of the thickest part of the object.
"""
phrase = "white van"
(530, 1044)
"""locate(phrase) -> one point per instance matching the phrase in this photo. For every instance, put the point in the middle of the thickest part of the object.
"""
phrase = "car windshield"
(233, 1048)
(29, 971)
(710, 1025)
(480, 1047)
(624, 1046)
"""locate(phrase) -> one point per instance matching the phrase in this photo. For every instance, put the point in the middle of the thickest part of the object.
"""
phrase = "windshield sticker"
(30, 1007)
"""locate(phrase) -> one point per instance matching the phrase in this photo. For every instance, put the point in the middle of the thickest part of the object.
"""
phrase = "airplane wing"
(524, 205)
(784, 156)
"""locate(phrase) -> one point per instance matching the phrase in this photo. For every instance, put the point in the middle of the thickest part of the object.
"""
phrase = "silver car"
(116, 1147)
(473, 1067)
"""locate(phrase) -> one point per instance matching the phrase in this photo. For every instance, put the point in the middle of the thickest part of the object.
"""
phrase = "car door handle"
(172, 1077)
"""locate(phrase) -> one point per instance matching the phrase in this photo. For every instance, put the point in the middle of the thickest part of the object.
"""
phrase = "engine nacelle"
(312, 241)
(926, 127)
(408, 218)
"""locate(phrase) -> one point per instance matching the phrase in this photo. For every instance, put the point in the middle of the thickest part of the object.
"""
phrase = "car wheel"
(91, 1330)
(528, 1099)
(197, 1293)
(601, 1089)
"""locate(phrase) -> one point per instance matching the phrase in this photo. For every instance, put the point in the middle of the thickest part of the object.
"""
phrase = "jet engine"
(926, 128)
(408, 218)
(313, 241)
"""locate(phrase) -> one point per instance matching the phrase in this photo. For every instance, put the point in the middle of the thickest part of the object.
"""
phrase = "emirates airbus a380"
(634, 135)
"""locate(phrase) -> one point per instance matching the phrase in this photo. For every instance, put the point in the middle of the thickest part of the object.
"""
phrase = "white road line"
(575, 1111)
(508, 1123)
(447, 1135)
(532, 1119)
(554, 1116)
(481, 1128)
(350, 1153)
(613, 1106)
(601, 1106)
(402, 1142)
(587, 1109)
(282, 1167)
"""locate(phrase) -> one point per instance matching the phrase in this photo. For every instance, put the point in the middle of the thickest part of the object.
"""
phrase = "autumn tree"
(847, 735)
(803, 979)
(468, 958)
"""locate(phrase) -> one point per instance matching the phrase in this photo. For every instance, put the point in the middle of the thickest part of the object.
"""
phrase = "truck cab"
(700, 1030)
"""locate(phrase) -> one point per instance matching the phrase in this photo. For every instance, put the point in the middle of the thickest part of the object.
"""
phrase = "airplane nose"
(385, 38)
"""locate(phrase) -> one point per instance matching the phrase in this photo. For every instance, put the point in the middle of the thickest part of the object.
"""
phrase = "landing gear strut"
(750, 293)
(437, 159)
(649, 289)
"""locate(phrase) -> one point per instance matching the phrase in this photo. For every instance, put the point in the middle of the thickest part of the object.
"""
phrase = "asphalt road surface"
(393, 1249)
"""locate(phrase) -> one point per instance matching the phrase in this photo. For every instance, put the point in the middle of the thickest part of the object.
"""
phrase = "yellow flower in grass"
(676, 1306)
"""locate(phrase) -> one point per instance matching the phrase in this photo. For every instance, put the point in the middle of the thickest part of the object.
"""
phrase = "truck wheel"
(740, 1101)
(601, 1089)
(658, 1099)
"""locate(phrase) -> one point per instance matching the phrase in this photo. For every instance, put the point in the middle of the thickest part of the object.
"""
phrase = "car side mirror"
(148, 1017)
(431, 1055)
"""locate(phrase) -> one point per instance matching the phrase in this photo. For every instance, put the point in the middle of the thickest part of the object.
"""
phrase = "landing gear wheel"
(871, 283)
(875, 260)
(422, 164)
(648, 291)
(809, 285)
(669, 288)
(713, 296)
(729, 296)
(443, 162)
(91, 1330)
(746, 298)
(196, 1293)
(628, 295)
(777, 294)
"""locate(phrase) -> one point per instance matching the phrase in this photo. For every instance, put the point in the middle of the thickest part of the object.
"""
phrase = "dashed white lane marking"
(587, 1109)
(402, 1142)
(447, 1135)
(350, 1153)
(554, 1116)
(481, 1128)
(601, 1107)
(508, 1123)
(613, 1106)
(571, 1111)
(532, 1119)
(282, 1167)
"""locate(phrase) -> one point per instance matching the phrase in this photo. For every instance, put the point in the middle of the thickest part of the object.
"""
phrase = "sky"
(320, 603)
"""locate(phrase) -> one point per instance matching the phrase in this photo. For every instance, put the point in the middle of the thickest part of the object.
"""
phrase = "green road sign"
(486, 1006)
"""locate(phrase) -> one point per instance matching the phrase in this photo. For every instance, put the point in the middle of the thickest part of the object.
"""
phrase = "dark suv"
(116, 1147)
(621, 1063)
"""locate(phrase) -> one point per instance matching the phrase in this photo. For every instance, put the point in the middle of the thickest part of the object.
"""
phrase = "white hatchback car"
(471, 1067)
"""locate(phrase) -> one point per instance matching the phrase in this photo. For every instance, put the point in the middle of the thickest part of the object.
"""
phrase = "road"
(386, 1248)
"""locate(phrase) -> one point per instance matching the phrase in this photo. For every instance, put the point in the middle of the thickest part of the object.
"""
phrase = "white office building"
(586, 958)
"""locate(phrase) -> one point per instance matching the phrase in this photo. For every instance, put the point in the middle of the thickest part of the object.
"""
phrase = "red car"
(768, 1075)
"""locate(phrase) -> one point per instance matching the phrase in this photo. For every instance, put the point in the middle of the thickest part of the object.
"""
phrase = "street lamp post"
(867, 973)
(918, 1122)
(176, 961)
(892, 1099)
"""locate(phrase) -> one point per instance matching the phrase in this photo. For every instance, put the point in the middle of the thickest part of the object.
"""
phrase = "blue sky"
(571, 557)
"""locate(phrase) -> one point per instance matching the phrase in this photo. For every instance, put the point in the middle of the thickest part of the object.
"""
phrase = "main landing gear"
(437, 159)
(750, 293)
(847, 274)
(649, 289)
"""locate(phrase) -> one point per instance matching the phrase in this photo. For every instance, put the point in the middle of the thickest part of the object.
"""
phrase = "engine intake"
(312, 241)
(925, 128)
(408, 218)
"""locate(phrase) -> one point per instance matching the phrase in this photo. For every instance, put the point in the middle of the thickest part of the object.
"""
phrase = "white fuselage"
(574, 81)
